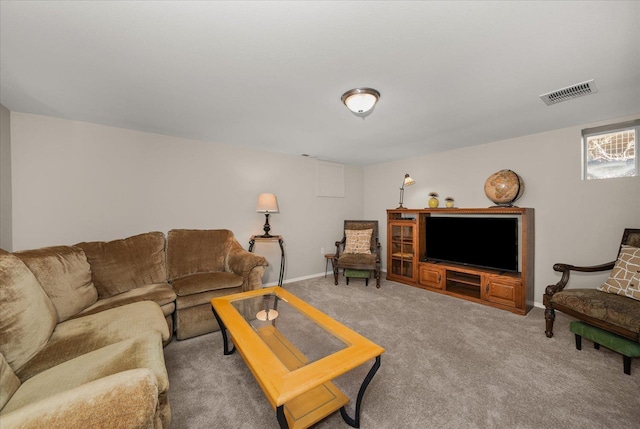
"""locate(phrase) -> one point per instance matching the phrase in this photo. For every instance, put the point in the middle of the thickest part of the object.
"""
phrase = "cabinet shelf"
(402, 255)
(464, 290)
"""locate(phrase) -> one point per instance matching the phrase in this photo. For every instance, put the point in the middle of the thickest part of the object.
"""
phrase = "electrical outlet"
(322, 250)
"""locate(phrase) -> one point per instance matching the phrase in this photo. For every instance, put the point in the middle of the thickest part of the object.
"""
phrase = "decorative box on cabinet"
(505, 290)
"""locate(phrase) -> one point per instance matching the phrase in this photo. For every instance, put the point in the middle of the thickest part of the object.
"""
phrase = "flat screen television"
(484, 242)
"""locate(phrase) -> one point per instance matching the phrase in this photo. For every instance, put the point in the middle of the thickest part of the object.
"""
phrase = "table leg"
(223, 331)
(355, 422)
(281, 278)
(281, 417)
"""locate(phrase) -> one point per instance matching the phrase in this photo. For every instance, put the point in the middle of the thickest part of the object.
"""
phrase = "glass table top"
(284, 327)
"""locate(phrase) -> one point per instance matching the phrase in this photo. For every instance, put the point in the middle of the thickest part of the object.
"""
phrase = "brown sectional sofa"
(83, 326)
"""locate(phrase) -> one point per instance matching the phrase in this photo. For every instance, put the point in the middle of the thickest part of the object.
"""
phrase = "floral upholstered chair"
(615, 305)
(359, 249)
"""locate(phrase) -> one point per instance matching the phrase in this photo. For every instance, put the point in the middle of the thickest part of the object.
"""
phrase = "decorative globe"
(504, 188)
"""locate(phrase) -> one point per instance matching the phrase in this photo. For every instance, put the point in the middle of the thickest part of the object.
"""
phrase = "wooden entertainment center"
(406, 246)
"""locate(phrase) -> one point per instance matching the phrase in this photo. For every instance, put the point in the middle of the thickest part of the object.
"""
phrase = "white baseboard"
(296, 279)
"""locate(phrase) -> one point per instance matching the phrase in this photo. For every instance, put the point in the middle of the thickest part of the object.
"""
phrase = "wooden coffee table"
(294, 352)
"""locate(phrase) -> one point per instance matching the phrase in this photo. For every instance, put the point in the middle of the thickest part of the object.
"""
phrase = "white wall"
(5, 179)
(578, 222)
(75, 181)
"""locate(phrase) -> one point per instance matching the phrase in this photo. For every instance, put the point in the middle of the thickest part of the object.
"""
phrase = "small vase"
(433, 202)
(449, 204)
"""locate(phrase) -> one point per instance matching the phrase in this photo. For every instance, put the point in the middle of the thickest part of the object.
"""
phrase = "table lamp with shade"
(407, 181)
(267, 204)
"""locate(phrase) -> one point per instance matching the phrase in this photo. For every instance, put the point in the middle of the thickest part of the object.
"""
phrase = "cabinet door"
(503, 290)
(431, 275)
(401, 251)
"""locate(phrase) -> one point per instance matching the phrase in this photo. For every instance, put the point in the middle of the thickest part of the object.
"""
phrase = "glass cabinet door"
(402, 250)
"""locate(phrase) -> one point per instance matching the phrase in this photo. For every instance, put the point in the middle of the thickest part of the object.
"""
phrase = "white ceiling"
(269, 75)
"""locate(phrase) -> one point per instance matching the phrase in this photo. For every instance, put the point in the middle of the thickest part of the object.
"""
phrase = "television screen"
(487, 242)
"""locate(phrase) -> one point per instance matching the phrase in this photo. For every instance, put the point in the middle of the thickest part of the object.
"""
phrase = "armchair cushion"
(358, 241)
(121, 265)
(65, 275)
(625, 277)
(355, 260)
(613, 309)
(28, 317)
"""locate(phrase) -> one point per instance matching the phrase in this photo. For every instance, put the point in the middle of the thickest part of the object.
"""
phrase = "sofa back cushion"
(27, 316)
(121, 265)
(9, 383)
(191, 251)
(65, 275)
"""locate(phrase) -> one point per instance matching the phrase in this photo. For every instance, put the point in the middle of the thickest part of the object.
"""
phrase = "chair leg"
(627, 364)
(578, 342)
(347, 280)
(550, 317)
(596, 346)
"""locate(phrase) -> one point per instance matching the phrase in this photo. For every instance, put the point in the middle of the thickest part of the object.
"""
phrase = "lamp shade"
(360, 100)
(267, 203)
(408, 181)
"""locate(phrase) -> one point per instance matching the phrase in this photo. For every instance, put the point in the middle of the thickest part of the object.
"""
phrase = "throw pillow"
(625, 277)
(358, 241)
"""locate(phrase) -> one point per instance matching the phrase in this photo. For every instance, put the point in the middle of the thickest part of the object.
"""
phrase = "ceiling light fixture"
(360, 100)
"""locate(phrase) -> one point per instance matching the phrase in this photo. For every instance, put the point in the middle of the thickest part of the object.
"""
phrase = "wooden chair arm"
(338, 244)
(566, 269)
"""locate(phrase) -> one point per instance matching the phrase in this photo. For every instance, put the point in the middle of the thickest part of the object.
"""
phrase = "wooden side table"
(328, 257)
(278, 238)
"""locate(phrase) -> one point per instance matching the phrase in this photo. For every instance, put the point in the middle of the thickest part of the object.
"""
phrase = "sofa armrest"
(566, 269)
(241, 262)
(128, 399)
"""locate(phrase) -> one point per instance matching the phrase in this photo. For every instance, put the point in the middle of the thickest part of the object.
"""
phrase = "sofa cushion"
(160, 293)
(65, 275)
(191, 251)
(75, 337)
(28, 317)
(358, 241)
(124, 400)
(614, 309)
(121, 265)
(9, 383)
(625, 276)
(203, 282)
(133, 353)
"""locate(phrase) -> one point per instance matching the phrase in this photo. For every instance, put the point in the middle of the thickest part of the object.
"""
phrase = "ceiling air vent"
(573, 91)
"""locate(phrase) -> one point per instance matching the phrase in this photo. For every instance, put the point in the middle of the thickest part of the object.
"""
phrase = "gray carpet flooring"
(448, 363)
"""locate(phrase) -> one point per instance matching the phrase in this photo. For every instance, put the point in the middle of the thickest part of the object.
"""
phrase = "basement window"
(610, 151)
